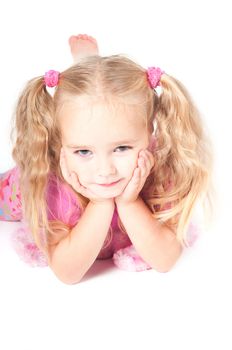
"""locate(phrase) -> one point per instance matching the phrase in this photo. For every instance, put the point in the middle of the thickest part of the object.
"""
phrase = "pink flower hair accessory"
(51, 78)
(154, 75)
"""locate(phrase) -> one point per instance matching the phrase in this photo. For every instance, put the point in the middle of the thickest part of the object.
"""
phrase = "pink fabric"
(154, 75)
(10, 197)
(63, 205)
(25, 247)
(129, 260)
(51, 78)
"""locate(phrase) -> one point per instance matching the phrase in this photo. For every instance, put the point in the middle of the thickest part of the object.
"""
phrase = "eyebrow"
(111, 144)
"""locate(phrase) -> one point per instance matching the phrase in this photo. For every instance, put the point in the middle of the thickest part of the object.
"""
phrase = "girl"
(107, 167)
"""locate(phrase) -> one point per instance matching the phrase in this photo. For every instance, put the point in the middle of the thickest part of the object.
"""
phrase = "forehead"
(87, 121)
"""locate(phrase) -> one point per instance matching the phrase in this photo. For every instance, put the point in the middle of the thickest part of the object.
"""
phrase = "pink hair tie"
(154, 75)
(51, 78)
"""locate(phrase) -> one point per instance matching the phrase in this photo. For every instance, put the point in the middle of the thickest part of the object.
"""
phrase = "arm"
(74, 255)
(156, 243)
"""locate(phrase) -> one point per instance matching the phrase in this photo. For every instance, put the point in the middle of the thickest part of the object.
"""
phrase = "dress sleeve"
(10, 196)
(62, 203)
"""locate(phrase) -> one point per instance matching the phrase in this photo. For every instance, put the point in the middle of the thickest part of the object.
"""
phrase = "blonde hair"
(183, 161)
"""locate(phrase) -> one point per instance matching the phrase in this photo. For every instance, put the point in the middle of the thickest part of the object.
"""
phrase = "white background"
(188, 308)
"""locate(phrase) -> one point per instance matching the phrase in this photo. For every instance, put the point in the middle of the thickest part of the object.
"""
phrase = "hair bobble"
(51, 78)
(154, 75)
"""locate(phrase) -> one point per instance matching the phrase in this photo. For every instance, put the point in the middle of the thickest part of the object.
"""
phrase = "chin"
(110, 194)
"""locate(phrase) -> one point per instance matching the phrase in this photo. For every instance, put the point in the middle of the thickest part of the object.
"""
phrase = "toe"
(79, 36)
(71, 39)
(93, 39)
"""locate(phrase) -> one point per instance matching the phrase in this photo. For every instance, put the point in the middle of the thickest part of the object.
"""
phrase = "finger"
(149, 161)
(137, 181)
(150, 157)
(136, 175)
(75, 182)
(144, 163)
(145, 166)
(147, 158)
(142, 166)
(78, 186)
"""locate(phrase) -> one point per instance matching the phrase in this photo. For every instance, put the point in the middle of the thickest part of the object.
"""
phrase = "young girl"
(111, 161)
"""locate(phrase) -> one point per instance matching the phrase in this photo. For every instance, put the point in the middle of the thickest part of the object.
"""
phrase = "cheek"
(82, 170)
(70, 161)
(124, 165)
(74, 165)
(128, 164)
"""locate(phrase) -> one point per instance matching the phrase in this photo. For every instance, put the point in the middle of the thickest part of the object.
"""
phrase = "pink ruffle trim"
(125, 259)
(26, 248)
(129, 260)
(193, 233)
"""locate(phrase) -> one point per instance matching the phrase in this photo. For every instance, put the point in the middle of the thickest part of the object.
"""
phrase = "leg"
(82, 45)
(10, 199)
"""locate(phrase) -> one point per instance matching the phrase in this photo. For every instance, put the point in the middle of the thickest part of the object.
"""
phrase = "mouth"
(110, 184)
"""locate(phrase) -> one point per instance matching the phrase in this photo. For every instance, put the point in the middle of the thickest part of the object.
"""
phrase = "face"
(101, 144)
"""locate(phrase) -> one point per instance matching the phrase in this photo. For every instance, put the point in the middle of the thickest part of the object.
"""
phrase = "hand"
(73, 180)
(136, 183)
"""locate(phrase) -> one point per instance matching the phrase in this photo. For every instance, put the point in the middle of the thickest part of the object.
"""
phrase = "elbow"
(65, 275)
(162, 269)
(65, 272)
(67, 279)
(166, 264)
(165, 258)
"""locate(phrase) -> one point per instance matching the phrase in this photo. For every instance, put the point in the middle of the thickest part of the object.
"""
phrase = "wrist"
(106, 202)
(121, 203)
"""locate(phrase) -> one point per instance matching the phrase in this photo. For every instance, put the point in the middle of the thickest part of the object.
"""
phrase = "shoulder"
(11, 174)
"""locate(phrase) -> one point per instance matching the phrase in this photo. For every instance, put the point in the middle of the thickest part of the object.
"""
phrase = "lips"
(110, 184)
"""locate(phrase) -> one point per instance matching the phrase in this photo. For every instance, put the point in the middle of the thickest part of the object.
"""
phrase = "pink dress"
(62, 205)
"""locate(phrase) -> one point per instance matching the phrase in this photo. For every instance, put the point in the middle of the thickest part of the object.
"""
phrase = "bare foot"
(82, 45)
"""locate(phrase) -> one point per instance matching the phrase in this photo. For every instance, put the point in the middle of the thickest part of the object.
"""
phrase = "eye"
(85, 153)
(123, 148)
(82, 152)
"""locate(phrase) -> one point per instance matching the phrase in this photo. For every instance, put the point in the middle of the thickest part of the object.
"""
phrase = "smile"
(109, 185)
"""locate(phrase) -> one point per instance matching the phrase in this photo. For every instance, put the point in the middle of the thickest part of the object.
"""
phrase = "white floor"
(190, 307)
(186, 308)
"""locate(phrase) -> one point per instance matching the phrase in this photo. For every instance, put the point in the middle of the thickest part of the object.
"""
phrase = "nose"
(105, 169)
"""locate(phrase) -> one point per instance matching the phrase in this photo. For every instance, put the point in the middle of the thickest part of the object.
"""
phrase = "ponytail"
(183, 160)
(33, 124)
